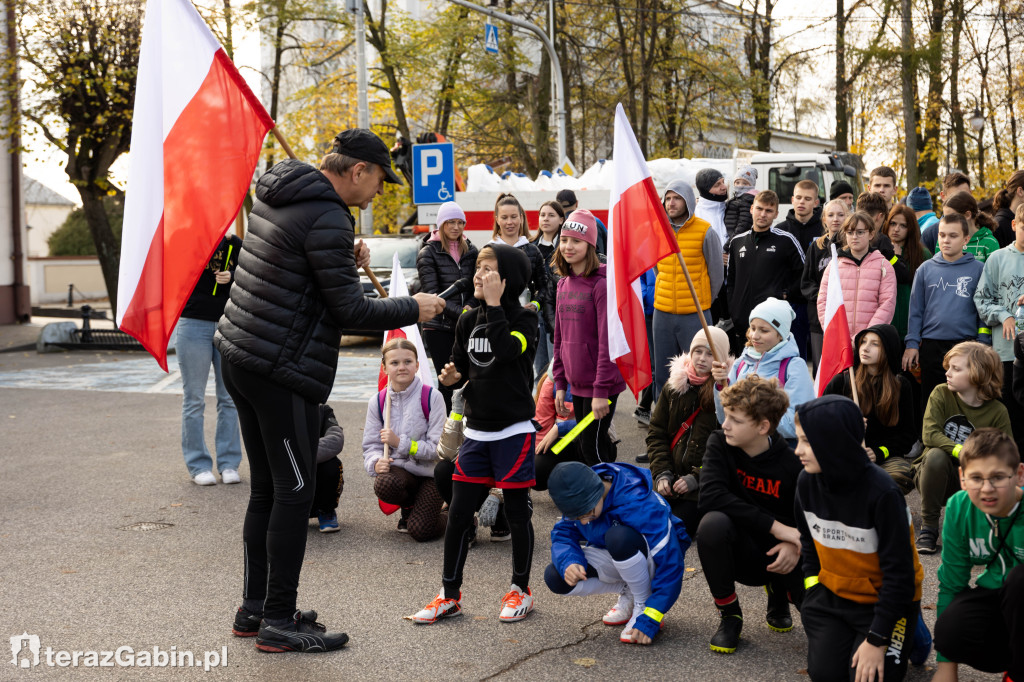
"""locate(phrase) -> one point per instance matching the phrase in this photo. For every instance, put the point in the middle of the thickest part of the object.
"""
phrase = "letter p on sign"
(433, 164)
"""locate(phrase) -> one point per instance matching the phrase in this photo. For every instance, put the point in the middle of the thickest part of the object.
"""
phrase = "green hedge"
(73, 237)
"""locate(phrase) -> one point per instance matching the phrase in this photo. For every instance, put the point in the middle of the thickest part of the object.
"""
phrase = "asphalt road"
(84, 465)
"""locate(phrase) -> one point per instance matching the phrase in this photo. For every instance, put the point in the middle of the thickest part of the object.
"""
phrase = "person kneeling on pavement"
(616, 536)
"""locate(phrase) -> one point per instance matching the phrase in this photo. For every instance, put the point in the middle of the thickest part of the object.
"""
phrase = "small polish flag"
(836, 347)
(397, 289)
(639, 236)
(197, 132)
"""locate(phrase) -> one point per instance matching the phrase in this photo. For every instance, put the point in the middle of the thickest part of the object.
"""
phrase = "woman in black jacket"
(447, 257)
(510, 228)
(550, 217)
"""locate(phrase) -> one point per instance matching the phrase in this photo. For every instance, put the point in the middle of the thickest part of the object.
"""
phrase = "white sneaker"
(230, 476)
(622, 611)
(204, 478)
(516, 605)
(625, 635)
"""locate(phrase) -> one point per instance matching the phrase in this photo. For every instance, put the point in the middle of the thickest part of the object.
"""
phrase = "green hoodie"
(970, 538)
(981, 244)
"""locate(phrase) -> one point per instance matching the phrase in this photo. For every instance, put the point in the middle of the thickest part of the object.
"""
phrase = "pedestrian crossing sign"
(491, 38)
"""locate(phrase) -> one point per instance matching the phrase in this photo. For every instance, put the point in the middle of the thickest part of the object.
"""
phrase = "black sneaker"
(303, 634)
(927, 540)
(643, 415)
(247, 623)
(778, 616)
(643, 458)
(727, 638)
(403, 525)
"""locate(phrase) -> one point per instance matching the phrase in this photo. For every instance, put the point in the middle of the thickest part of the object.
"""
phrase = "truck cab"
(781, 172)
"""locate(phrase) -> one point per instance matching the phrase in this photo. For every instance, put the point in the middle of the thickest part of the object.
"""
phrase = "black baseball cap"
(566, 198)
(362, 144)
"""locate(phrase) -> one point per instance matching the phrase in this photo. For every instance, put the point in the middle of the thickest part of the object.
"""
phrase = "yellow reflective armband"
(956, 450)
(456, 416)
(810, 581)
(893, 260)
(984, 330)
(522, 340)
(654, 615)
(413, 447)
(885, 451)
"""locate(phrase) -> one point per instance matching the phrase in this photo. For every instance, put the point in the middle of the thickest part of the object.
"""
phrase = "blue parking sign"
(433, 173)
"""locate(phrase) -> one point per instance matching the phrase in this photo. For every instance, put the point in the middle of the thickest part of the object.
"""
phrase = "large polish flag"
(639, 236)
(196, 137)
(836, 347)
(397, 289)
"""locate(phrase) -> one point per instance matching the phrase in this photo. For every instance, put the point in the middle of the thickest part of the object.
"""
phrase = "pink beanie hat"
(581, 224)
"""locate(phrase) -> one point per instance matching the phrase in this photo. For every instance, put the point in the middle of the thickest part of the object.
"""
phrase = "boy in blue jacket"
(616, 536)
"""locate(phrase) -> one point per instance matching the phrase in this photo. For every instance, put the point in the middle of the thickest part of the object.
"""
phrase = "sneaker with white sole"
(622, 611)
(516, 604)
(230, 476)
(438, 609)
(204, 478)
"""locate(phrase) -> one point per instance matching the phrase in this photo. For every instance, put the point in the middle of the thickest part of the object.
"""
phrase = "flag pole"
(366, 269)
(853, 388)
(700, 312)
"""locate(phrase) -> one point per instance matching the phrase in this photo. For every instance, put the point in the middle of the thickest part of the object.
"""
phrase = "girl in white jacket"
(406, 477)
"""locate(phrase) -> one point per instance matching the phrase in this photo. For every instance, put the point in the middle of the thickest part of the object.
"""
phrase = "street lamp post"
(556, 65)
(977, 122)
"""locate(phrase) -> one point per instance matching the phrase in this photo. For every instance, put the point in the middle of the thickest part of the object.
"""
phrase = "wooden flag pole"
(700, 312)
(853, 388)
(366, 269)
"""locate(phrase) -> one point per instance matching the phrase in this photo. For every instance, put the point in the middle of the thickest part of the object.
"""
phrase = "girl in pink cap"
(581, 360)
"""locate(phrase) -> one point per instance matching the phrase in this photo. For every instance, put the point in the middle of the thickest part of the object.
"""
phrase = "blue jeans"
(672, 336)
(196, 352)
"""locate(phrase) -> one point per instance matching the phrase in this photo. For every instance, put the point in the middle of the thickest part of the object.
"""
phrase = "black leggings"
(466, 499)
(730, 555)
(594, 445)
(281, 431)
(330, 482)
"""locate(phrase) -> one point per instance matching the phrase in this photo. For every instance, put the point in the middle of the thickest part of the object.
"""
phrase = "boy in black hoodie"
(863, 576)
(747, 486)
(495, 344)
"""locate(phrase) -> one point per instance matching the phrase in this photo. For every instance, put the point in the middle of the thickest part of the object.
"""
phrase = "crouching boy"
(862, 573)
(616, 536)
(984, 626)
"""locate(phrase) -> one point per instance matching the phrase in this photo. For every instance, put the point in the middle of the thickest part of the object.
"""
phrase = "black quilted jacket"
(296, 285)
(438, 271)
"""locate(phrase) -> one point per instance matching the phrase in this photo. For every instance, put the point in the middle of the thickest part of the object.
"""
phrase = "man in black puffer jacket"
(295, 287)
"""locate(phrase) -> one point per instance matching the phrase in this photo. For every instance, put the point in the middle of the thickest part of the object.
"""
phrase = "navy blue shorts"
(506, 463)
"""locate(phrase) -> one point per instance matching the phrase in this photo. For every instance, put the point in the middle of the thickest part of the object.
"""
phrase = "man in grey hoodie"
(675, 315)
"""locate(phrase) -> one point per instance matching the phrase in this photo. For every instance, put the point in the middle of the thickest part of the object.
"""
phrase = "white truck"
(775, 171)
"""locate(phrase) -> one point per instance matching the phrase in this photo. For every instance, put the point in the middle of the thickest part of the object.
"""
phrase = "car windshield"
(382, 251)
(783, 185)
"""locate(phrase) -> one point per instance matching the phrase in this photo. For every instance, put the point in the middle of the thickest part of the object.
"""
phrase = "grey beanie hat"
(747, 173)
(575, 488)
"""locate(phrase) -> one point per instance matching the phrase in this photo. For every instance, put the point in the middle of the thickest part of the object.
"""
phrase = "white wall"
(41, 221)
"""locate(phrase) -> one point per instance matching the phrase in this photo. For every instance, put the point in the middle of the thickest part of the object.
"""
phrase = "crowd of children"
(802, 495)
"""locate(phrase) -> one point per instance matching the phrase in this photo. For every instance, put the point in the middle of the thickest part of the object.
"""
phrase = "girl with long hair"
(549, 224)
(885, 399)
(819, 253)
(980, 242)
(903, 230)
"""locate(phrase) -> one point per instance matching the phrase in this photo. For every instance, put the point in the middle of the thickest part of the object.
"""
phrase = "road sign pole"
(556, 66)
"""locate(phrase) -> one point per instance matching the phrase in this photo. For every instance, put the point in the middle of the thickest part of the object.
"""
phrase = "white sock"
(637, 577)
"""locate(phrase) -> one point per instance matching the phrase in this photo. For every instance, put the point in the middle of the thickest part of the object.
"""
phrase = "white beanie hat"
(779, 314)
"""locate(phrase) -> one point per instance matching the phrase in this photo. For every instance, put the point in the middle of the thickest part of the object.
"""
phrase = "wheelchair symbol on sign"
(443, 193)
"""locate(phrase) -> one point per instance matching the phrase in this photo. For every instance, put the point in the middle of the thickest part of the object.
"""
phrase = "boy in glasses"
(983, 626)
(616, 535)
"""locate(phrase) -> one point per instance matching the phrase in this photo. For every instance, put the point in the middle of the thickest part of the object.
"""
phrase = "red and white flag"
(397, 289)
(836, 347)
(639, 236)
(196, 137)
